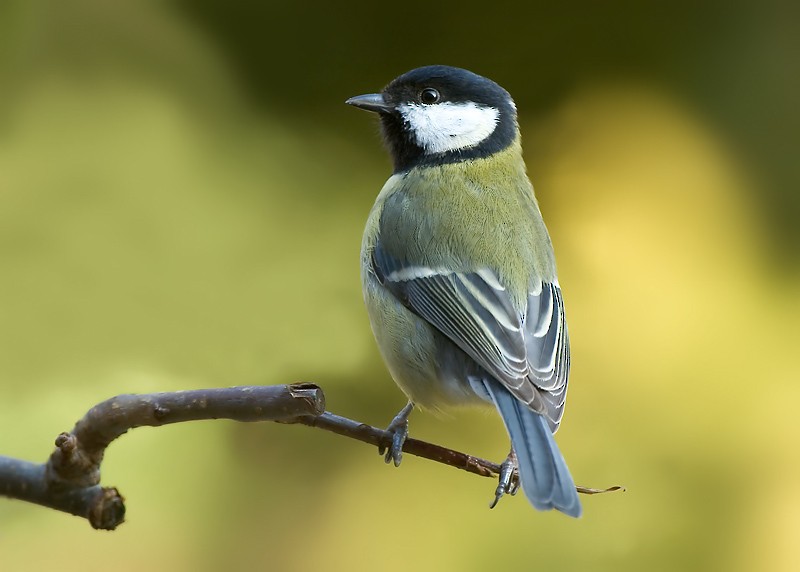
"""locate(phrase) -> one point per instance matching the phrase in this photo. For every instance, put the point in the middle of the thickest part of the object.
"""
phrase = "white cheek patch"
(449, 126)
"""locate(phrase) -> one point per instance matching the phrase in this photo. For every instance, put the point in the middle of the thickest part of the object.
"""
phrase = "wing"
(527, 351)
(547, 345)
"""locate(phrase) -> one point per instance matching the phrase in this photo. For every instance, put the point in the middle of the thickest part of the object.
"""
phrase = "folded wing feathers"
(499, 319)
(548, 354)
(448, 317)
(529, 353)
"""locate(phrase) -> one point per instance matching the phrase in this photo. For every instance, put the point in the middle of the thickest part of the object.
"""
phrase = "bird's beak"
(371, 102)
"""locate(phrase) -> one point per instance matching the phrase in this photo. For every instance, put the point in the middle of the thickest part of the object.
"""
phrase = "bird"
(459, 276)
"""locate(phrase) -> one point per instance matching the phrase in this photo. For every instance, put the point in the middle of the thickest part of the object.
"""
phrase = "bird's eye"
(429, 96)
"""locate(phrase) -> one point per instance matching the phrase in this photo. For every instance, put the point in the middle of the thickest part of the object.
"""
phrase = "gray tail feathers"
(542, 470)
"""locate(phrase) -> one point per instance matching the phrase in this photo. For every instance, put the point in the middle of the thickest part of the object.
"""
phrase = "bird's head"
(440, 114)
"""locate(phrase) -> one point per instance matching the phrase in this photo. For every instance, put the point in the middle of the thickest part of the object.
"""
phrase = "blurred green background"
(182, 194)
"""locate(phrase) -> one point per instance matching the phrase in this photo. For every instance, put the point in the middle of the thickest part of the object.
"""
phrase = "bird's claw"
(395, 452)
(399, 430)
(508, 481)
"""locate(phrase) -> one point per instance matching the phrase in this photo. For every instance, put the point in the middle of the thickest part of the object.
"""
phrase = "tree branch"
(70, 479)
(382, 438)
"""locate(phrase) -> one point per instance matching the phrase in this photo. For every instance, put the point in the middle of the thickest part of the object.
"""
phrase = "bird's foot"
(399, 430)
(509, 479)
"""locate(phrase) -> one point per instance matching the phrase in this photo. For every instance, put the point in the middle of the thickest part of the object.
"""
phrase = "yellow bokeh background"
(162, 228)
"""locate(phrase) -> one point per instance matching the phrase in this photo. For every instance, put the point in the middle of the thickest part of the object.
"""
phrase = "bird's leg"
(509, 478)
(399, 430)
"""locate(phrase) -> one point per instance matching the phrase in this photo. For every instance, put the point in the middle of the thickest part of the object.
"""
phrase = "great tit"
(459, 276)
